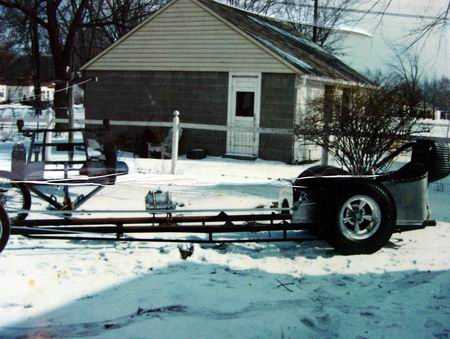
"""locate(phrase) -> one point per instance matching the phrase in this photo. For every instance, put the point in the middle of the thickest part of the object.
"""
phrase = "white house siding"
(307, 91)
(3, 93)
(186, 37)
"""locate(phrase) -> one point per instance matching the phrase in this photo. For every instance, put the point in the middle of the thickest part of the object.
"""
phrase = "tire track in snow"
(97, 328)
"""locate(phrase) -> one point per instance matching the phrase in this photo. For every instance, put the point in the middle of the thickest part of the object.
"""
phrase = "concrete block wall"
(146, 96)
(201, 97)
(278, 100)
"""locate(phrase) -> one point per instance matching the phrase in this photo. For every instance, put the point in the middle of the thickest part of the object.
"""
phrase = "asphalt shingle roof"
(281, 38)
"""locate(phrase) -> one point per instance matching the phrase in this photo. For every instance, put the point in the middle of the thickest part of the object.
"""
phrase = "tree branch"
(25, 10)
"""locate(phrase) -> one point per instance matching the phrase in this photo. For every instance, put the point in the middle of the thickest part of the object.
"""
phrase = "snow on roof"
(280, 37)
(339, 27)
(288, 34)
(287, 56)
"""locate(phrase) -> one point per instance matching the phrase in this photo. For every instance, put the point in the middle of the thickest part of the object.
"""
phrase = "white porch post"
(301, 152)
(328, 111)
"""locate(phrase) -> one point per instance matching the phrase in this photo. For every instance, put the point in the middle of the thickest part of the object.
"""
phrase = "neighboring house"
(16, 92)
(241, 81)
(3, 93)
(445, 115)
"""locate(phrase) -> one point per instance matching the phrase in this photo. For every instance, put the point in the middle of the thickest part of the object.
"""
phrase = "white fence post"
(175, 137)
(437, 115)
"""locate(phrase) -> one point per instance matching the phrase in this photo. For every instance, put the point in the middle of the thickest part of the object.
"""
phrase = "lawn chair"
(165, 147)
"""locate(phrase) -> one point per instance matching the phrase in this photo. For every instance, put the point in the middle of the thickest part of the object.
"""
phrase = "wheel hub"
(359, 217)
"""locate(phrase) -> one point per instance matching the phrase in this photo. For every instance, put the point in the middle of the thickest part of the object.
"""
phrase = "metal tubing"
(84, 198)
(191, 241)
(44, 197)
(172, 228)
(150, 220)
(180, 211)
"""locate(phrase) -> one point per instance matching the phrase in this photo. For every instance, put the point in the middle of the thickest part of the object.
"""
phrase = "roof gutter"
(336, 82)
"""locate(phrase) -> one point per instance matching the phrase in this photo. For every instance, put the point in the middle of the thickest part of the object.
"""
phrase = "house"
(19, 91)
(441, 115)
(3, 93)
(241, 81)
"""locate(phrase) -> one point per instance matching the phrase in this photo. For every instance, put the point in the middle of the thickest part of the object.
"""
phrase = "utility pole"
(36, 60)
(316, 21)
(69, 91)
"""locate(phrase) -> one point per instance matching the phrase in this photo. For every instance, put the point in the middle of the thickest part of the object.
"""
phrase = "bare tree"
(24, 31)
(437, 93)
(107, 20)
(406, 75)
(375, 123)
(438, 23)
(256, 6)
(61, 20)
(7, 58)
(321, 26)
(36, 58)
(366, 124)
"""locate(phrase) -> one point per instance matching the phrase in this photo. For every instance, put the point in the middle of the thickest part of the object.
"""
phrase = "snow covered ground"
(278, 290)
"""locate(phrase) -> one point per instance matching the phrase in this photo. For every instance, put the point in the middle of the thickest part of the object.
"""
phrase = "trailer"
(62, 152)
(355, 214)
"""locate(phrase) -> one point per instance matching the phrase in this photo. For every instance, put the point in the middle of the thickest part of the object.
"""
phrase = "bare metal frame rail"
(214, 226)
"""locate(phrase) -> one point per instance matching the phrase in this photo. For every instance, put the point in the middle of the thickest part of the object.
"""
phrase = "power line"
(316, 20)
(372, 12)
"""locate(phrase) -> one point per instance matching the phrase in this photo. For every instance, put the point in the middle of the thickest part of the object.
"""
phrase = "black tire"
(435, 156)
(317, 171)
(374, 234)
(440, 166)
(25, 200)
(196, 153)
(4, 228)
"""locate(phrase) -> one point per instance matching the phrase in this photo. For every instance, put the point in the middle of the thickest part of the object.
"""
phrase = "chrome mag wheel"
(359, 217)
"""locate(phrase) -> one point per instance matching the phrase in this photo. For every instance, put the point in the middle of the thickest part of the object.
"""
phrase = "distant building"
(3, 93)
(15, 92)
(445, 115)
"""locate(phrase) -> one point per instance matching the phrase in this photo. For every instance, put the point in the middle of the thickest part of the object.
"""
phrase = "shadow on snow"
(198, 299)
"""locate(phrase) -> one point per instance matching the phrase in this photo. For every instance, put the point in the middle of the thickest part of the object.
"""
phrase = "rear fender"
(411, 200)
(323, 193)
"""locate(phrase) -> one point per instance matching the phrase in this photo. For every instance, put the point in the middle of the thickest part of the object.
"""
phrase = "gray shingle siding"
(201, 97)
(276, 147)
(277, 100)
(214, 142)
(278, 97)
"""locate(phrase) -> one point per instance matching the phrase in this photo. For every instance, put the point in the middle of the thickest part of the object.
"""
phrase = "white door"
(244, 103)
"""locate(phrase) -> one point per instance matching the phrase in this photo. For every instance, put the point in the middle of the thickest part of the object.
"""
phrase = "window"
(245, 104)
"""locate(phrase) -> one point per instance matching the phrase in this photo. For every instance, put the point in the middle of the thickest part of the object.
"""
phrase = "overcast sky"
(372, 53)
